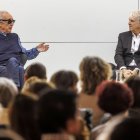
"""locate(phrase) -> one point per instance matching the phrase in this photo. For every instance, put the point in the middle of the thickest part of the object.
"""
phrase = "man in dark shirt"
(11, 65)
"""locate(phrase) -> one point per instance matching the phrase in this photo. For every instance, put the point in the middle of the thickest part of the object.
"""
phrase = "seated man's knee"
(13, 59)
(12, 62)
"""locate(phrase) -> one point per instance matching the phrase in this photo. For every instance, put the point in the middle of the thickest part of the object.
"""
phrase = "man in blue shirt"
(11, 65)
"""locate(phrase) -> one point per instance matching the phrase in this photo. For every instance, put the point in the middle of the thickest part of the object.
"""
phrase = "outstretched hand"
(42, 47)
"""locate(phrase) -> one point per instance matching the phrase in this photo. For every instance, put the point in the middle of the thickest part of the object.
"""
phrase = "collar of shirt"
(135, 43)
(138, 36)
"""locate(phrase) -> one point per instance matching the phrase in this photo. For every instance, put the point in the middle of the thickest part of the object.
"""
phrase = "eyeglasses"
(9, 21)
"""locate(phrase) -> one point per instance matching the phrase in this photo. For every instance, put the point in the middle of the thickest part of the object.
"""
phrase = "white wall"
(96, 21)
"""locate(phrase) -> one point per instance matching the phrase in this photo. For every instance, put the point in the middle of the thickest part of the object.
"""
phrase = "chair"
(23, 58)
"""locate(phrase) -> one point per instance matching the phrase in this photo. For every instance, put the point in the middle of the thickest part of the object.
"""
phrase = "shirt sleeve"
(31, 54)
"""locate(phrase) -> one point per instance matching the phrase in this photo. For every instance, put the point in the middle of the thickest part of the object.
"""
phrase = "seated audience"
(57, 115)
(114, 98)
(8, 91)
(35, 69)
(23, 117)
(28, 82)
(93, 70)
(66, 80)
(134, 83)
(35, 87)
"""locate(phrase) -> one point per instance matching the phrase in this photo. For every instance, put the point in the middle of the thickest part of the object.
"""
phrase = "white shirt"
(134, 47)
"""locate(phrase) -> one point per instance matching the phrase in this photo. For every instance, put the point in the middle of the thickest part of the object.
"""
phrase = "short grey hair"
(8, 83)
(8, 90)
(135, 14)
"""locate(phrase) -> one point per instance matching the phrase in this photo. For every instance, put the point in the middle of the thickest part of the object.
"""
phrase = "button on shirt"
(134, 47)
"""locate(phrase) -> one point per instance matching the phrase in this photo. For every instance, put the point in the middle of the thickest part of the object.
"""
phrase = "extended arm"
(33, 53)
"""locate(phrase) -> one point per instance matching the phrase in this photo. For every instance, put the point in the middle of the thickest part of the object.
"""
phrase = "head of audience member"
(134, 22)
(65, 80)
(57, 112)
(35, 69)
(128, 129)
(134, 83)
(28, 82)
(23, 118)
(33, 86)
(6, 22)
(8, 90)
(93, 70)
(113, 97)
(38, 86)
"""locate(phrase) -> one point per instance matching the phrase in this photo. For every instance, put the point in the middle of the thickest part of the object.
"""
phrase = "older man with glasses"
(11, 50)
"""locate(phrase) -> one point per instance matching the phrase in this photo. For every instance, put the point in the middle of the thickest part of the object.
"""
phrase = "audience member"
(57, 115)
(35, 69)
(28, 82)
(134, 83)
(23, 117)
(66, 80)
(36, 87)
(114, 98)
(8, 91)
(93, 70)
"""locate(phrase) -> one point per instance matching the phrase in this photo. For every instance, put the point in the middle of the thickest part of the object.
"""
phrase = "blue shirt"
(10, 46)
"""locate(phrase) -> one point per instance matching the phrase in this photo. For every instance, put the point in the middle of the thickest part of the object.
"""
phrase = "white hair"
(135, 14)
(6, 83)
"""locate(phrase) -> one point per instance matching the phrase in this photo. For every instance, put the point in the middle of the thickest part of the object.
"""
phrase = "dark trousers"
(13, 70)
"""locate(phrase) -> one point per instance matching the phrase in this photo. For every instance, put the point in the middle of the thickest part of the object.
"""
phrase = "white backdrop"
(96, 21)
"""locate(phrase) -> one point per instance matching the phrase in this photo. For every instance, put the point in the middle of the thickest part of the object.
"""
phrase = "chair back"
(23, 58)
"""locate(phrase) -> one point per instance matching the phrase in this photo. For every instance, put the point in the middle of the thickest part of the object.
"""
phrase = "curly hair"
(93, 70)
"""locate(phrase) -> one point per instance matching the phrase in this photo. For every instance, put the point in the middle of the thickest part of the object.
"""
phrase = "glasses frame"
(9, 21)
